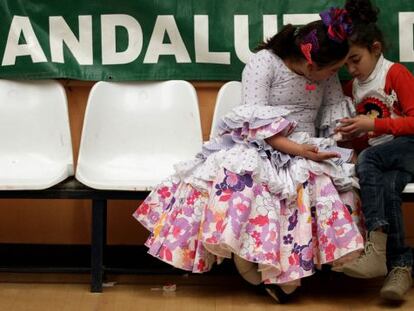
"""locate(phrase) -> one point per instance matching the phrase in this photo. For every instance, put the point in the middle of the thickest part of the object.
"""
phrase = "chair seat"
(31, 171)
(131, 172)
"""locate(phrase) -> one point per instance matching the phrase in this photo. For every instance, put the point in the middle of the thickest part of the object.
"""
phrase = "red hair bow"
(306, 49)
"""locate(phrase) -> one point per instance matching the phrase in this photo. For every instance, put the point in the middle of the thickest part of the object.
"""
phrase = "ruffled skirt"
(287, 214)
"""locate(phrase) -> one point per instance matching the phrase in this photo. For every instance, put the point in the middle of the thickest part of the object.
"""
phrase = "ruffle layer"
(241, 148)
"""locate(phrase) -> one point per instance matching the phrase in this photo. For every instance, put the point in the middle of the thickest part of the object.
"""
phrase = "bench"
(408, 193)
(73, 189)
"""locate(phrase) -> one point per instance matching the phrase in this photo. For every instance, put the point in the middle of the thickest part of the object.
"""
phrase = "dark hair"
(286, 44)
(364, 23)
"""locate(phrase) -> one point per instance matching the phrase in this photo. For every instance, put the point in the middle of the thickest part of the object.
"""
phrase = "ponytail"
(364, 17)
(283, 43)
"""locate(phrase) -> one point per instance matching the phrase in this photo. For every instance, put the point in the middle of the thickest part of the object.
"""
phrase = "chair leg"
(98, 244)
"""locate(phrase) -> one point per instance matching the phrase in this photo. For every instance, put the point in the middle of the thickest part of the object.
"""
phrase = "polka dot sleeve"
(257, 78)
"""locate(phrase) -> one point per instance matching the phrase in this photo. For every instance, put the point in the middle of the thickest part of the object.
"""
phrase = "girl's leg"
(248, 270)
(373, 162)
(397, 154)
(398, 253)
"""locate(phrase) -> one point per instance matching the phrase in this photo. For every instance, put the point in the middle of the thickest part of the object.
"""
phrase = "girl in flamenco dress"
(267, 191)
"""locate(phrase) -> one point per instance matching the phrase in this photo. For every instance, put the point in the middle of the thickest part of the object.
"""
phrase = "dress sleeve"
(257, 78)
(335, 106)
(255, 118)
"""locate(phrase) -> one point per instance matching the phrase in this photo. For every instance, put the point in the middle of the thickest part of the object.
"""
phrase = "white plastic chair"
(409, 188)
(228, 97)
(135, 132)
(35, 141)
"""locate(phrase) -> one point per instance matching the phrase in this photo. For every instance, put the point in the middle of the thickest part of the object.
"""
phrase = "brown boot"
(397, 283)
(372, 263)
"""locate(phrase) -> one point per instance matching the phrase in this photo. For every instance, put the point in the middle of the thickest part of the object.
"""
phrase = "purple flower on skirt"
(188, 210)
(257, 190)
(329, 189)
(181, 232)
(306, 257)
(287, 239)
(221, 187)
(293, 221)
(238, 182)
(306, 264)
(174, 187)
(305, 253)
(170, 204)
(238, 211)
(296, 248)
(208, 219)
(153, 217)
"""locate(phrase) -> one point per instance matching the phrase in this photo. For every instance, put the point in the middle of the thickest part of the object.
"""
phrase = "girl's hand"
(356, 126)
(311, 152)
(345, 137)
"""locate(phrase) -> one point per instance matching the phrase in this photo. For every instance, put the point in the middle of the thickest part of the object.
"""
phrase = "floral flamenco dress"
(239, 195)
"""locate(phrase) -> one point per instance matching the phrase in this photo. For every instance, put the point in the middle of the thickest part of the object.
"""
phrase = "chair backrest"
(134, 132)
(34, 132)
(228, 97)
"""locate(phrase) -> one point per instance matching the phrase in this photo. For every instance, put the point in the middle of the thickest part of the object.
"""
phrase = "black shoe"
(276, 293)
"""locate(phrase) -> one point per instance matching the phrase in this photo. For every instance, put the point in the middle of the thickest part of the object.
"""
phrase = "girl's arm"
(257, 78)
(355, 126)
(399, 79)
(284, 144)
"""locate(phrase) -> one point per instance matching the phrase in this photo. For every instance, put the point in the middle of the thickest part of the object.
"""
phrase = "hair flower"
(338, 22)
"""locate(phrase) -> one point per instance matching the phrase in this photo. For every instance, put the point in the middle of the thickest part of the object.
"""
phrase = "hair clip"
(312, 38)
(306, 49)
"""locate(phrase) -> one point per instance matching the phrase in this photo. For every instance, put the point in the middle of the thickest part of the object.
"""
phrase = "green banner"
(161, 39)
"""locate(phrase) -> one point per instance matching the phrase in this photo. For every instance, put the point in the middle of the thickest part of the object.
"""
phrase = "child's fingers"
(312, 148)
(348, 129)
(345, 120)
(328, 155)
(343, 123)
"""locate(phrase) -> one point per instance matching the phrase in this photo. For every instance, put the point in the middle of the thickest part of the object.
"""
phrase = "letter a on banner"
(21, 25)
